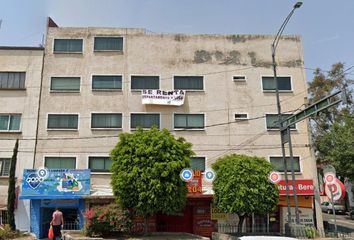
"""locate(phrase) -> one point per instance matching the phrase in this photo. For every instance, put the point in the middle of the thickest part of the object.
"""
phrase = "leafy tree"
(11, 197)
(145, 172)
(242, 187)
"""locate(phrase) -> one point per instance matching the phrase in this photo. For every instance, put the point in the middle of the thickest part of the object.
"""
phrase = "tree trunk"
(240, 223)
(11, 194)
(146, 224)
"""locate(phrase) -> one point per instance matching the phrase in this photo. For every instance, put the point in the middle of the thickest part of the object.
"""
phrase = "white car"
(266, 238)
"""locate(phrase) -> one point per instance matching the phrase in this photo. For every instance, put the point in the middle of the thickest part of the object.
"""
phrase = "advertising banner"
(195, 185)
(303, 187)
(161, 97)
(55, 183)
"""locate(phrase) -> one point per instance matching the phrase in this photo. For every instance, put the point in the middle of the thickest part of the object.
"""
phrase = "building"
(91, 91)
(20, 82)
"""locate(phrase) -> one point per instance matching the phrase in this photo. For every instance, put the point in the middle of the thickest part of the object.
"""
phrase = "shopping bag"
(51, 232)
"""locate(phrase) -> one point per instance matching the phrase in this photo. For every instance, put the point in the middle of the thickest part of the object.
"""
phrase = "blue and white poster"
(55, 183)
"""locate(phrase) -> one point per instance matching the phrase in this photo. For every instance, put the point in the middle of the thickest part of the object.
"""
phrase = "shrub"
(310, 232)
(104, 220)
(7, 233)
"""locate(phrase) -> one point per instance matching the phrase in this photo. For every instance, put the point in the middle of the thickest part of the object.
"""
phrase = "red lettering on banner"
(195, 185)
(303, 187)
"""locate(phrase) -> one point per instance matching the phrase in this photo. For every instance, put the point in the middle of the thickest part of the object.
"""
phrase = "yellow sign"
(217, 214)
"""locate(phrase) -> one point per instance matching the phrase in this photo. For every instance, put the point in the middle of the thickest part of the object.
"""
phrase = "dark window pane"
(63, 121)
(145, 82)
(106, 120)
(4, 166)
(60, 162)
(189, 121)
(284, 83)
(71, 84)
(106, 82)
(278, 164)
(12, 80)
(100, 164)
(188, 82)
(68, 45)
(108, 44)
(144, 120)
(198, 163)
(10, 122)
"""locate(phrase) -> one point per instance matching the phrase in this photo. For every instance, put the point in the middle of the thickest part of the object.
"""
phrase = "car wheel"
(329, 211)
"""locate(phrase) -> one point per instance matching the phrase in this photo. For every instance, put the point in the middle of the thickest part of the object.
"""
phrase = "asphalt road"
(343, 221)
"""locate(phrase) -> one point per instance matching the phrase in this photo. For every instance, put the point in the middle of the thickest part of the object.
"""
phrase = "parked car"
(328, 208)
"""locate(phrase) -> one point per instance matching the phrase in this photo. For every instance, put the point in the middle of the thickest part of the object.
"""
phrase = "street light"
(274, 47)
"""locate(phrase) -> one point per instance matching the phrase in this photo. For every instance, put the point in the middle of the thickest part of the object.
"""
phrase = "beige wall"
(216, 57)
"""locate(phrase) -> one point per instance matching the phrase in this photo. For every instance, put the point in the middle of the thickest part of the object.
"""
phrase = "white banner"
(161, 97)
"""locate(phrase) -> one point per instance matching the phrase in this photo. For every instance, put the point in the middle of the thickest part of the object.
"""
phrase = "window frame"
(189, 75)
(276, 128)
(188, 129)
(98, 172)
(142, 113)
(289, 167)
(15, 89)
(60, 156)
(143, 75)
(280, 91)
(9, 122)
(3, 160)
(241, 119)
(105, 36)
(205, 162)
(107, 89)
(106, 128)
(239, 80)
(68, 52)
(65, 91)
(63, 129)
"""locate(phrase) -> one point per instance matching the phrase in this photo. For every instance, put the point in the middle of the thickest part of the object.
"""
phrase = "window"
(60, 162)
(108, 44)
(10, 122)
(284, 83)
(65, 84)
(105, 82)
(198, 163)
(4, 166)
(12, 80)
(272, 121)
(277, 162)
(144, 120)
(100, 164)
(67, 45)
(145, 82)
(189, 121)
(3, 217)
(241, 116)
(239, 78)
(63, 121)
(106, 120)
(188, 82)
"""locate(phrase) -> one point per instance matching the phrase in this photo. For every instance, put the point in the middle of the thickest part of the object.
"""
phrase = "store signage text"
(303, 187)
(161, 97)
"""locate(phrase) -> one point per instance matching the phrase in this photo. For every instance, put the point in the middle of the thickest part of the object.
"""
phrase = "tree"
(242, 187)
(145, 172)
(11, 195)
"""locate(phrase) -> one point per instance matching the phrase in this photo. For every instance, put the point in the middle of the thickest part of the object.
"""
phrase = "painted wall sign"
(161, 97)
(338, 190)
(305, 214)
(303, 187)
(217, 214)
(195, 185)
(55, 183)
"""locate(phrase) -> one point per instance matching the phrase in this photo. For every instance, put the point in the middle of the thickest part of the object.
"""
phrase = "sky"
(326, 26)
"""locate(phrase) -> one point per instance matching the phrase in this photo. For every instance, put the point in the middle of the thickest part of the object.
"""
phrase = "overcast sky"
(326, 26)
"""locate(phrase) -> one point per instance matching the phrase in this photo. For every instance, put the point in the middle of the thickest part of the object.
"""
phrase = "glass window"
(70, 84)
(198, 163)
(10, 122)
(67, 45)
(145, 82)
(104, 82)
(106, 120)
(108, 44)
(284, 83)
(241, 116)
(100, 164)
(12, 80)
(4, 166)
(272, 121)
(188, 82)
(189, 121)
(144, 120)
(277, 162)
(63, 121)
(60, 162)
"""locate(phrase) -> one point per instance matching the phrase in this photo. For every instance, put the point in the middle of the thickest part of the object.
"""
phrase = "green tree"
(242, 187)
(145, 172)
(11, 195)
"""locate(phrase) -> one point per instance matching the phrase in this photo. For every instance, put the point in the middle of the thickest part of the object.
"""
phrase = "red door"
(179, 222)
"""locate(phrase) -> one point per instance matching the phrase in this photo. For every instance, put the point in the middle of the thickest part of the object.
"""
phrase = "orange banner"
(303, 201)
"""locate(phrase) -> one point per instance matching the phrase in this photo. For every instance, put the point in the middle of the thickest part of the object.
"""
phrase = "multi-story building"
(20, 78)
(91, 91)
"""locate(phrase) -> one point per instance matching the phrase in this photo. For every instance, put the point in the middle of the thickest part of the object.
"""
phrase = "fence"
(3, 217)
(71, 225)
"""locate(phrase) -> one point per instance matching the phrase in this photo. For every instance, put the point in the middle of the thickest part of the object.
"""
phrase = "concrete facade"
(25, 102)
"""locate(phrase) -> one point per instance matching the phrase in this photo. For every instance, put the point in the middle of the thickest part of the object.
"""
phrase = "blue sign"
(55, 183)
(209, 175)
(186, 174)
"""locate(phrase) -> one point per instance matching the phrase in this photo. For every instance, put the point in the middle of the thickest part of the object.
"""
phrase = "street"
(344, 223)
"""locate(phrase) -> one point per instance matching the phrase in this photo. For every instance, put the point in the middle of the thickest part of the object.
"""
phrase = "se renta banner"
(161, 97)
(55, 183)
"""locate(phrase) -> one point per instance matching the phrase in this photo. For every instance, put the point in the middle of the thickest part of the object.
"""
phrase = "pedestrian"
(57, 223)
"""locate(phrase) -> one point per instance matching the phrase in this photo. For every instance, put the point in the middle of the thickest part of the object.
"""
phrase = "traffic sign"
(186, 174)
(274, 177)
(330, 178)
(337, 189)
(209, 175)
